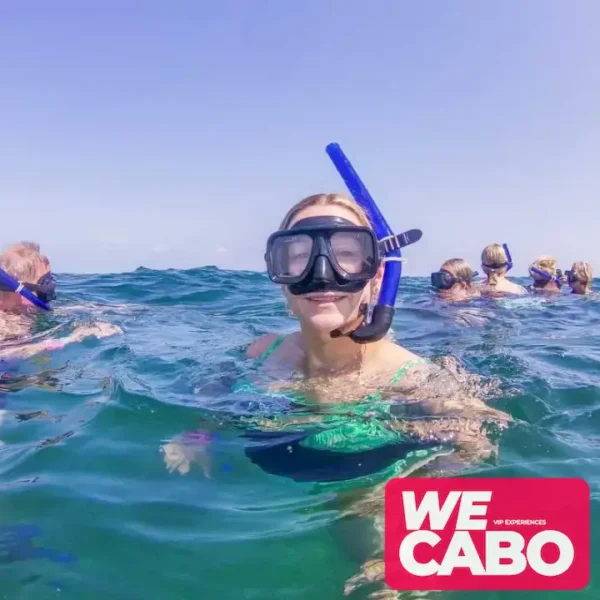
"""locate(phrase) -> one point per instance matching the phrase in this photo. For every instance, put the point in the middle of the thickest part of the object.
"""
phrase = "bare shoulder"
(260, 345)
(518, 289)
(392, 357)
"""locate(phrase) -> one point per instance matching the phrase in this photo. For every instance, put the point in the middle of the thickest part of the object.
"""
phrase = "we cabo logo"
(487, 534)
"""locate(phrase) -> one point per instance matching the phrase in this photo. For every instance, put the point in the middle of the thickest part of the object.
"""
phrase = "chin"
(325, 323)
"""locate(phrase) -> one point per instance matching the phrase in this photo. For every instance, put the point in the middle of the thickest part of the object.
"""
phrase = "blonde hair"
(584, 273)
(23, 260)
(326, 200)
(494, 254)
(544, 263)
(459, 267)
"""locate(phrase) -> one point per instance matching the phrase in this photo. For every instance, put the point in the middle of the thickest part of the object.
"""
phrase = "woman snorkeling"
(361, 409)
(496, 262)
(547, 279)
(455, 281)
(370, 411)
(580, 278)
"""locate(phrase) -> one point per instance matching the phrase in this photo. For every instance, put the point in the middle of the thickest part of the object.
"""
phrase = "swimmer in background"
(547, 279)
(454, 281)
(580, 278)
(23, 263)
(496, 262)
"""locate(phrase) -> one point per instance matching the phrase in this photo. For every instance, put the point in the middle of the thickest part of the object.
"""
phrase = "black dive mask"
(444, 280)
(44, 289)
(320, 254)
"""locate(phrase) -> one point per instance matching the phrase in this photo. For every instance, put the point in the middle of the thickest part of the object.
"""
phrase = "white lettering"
(467, 510)
(461, 541)
(407, 553)
(430, 505)
(494, 553)
(565, 548)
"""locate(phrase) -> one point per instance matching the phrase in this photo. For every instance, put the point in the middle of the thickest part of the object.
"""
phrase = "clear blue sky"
(177, 133)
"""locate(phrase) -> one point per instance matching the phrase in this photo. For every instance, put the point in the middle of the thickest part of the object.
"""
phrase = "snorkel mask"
(508, 265)
(546, 276)
(40, 293)
(573, 277)
(444, 280)
(331, 253)
(323, 254)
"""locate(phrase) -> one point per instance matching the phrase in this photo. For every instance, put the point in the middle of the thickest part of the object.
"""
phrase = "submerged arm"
(22, 352)
(445, 404)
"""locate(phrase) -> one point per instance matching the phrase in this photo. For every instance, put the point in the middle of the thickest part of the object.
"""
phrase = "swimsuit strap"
(245, 384)
(401, 372)
(263, 357)
(398, 375)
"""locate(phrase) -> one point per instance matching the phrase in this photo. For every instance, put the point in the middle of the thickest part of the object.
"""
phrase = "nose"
(323, 270)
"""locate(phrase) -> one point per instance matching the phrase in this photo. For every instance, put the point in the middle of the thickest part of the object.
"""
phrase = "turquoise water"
(88, 508)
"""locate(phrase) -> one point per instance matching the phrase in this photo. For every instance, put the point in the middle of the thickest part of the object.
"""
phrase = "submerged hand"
(175, 458)
(180, 456)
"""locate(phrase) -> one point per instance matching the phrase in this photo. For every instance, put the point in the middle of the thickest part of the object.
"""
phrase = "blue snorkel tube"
(509, 266)
(546, 276)
(19, 288)
(383, 313)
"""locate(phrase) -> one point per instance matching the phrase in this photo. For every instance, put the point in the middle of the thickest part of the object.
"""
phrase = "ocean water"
(89, 509)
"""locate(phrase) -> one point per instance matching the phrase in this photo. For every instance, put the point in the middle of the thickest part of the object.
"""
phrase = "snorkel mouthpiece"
(383, 313)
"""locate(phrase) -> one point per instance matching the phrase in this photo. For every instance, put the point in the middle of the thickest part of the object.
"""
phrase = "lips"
(324, 298)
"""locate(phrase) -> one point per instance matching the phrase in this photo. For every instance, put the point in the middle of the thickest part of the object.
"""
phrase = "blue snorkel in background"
(509, 266)
(547, 276)
(383, 313)
(7, 283)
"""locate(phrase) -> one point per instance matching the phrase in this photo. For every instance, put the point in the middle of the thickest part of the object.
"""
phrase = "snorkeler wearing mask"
(547, 279)
(362, 409)
(580, 278)
(334, 258)
(26, 280)
(27, 285)
(455, 281)
(496, 261)
(329, 262)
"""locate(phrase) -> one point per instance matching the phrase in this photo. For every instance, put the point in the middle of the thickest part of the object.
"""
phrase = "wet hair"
(459, 267)
(494, 254)
(23, 260)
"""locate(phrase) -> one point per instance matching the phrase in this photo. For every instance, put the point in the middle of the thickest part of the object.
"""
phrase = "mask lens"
(290, 254)
(354, 251)
(442, 280)
(47, 288)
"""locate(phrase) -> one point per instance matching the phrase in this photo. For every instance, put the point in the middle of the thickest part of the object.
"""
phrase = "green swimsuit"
(352, 428)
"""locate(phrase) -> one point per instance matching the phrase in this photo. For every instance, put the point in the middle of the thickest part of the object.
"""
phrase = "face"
(577, 286)
(326, 311)
(15, 302)
(459, 291)
(550, 287)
